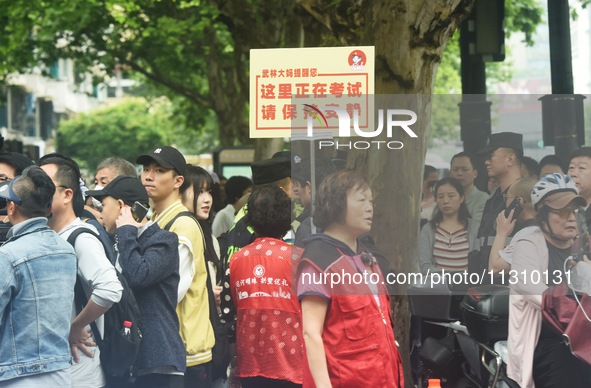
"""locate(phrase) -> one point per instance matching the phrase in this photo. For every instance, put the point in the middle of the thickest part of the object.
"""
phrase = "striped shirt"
(450, 250)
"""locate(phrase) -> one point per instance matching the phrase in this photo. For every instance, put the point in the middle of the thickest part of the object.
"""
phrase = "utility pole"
(562, 111)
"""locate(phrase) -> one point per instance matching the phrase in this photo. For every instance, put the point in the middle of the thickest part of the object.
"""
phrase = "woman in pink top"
(538, 356)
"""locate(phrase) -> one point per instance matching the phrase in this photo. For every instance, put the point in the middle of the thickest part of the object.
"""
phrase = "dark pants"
(555, 366)
(263, 382)
(156, 380)
(198, 376)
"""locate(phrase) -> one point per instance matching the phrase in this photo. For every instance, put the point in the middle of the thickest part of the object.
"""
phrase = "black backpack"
(220, 352)
(119, 352)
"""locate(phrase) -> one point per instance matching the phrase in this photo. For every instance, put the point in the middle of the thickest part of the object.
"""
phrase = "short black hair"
(579, 152)
(269, 211)
(16, 160)
(67, 175)
(35, 188)
(468, 155)
(531, 165)
(235, 186)
(550, 160)
(428, 170)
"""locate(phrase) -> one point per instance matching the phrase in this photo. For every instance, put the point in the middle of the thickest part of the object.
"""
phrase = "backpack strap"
(79, 294)
(220, 349)
(181, 214)
(194, 218)
(210, 280)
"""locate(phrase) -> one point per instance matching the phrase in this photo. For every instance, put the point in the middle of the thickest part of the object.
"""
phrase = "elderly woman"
(269, 343)
(347, 325)
(538, 356)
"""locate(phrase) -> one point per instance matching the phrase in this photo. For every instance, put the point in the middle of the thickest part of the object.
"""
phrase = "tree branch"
(175, 87)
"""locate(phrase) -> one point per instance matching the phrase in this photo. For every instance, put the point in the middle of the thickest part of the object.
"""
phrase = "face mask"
(95, 202)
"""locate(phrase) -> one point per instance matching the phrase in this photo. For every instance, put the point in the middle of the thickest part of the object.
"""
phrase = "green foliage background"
(125, 130)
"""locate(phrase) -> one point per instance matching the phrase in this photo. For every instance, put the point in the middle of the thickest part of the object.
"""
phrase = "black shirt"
(478, 262)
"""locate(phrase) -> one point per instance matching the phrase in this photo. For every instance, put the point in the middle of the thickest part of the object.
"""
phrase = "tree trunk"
(265, 148)
(409, 36)
(281, 26)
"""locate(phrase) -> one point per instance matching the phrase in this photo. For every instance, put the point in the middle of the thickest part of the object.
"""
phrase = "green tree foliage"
(125, 130)
(193, 51)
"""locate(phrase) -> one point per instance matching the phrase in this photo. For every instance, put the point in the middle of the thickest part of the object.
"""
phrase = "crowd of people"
(527, 223)
(240, 297)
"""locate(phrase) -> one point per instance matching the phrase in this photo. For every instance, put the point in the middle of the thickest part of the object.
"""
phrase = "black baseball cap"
(167, 157)
(125, 188)
(503, 139)
(270, 170)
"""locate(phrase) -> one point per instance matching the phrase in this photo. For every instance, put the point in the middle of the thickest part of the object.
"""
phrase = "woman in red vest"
(346, 312)
(269, 342)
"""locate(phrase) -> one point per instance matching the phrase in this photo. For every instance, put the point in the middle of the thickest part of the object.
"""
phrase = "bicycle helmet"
(551, 183)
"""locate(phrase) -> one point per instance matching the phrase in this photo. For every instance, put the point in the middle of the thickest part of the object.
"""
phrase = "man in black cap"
(162, 176)
(503, 156)
(275, 171)
(37, 278)
(149, 260)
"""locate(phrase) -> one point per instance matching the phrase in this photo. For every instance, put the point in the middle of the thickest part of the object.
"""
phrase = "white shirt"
(102, 287)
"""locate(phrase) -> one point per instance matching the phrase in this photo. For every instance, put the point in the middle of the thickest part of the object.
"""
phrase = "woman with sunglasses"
(538, 357)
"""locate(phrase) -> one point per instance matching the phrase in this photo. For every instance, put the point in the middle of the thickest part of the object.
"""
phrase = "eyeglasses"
(565, 212)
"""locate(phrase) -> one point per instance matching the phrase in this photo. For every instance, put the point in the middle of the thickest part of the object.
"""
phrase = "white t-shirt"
(102, 286)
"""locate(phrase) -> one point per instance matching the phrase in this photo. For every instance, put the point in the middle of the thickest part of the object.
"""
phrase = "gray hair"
(120, 165)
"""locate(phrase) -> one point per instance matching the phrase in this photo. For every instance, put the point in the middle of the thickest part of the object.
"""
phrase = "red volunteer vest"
(358, 336)
(269, 337)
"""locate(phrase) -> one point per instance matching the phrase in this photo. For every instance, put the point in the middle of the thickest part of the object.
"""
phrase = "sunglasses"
(565, 212)
(4, 203)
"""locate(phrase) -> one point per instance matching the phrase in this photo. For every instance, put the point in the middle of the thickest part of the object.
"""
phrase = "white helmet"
(551, 183)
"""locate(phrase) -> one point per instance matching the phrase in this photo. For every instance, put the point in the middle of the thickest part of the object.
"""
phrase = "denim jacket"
(37, 278)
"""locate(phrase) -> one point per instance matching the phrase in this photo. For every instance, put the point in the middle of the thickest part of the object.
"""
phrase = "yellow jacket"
(193, 309)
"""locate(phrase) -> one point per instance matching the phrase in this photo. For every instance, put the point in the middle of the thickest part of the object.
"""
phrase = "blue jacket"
(37, 278)
(150, 264)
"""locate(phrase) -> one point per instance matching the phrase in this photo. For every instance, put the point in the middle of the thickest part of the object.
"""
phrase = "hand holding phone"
(516, 206)
(138, 211)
